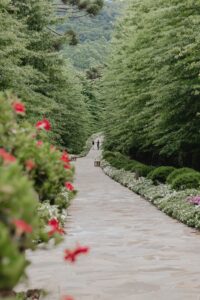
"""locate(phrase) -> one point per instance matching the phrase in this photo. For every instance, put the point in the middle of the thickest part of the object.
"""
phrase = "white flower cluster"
(48, 212)
(170, 201)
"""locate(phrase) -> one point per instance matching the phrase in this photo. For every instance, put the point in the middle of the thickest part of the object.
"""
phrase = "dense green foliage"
(172, 176)
(18, 201)
(120, 161)
(90, 91)
(186, 181)
(29, 174)
(31, 65)
(160, 174)
(152, 85)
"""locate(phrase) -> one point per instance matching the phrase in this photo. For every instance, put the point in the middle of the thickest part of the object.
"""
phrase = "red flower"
(7, 157)
(19, 108)
(65, 157)
(67, 166)
(39, 143)
(55, 227)
(43, 124)
(69, 186)
(67, 298)
(81, 250)
(22, 226)
(30, 165)
(71, 255)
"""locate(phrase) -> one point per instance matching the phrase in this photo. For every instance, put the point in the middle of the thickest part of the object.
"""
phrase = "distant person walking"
(93, 143)
(98, 145)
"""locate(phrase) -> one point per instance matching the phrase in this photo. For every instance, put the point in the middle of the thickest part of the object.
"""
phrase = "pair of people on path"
(98, 144)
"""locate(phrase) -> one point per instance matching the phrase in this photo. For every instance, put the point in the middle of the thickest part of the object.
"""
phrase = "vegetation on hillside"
(93, 36)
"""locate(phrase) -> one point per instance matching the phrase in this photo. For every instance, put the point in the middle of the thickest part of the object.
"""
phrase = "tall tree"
(33, 67)
(152, 83)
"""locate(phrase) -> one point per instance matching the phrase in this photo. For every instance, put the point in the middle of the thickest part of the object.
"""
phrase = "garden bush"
(120, 161)
(42, 162)
(117, 160)
(143, 170)
(31, 171)
(108, 154)
(176, 204)
(160, 174)
(178, 172)
(19, 224)
(186, 181)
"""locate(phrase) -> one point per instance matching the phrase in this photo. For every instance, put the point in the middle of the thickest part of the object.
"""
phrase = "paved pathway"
(137, 253)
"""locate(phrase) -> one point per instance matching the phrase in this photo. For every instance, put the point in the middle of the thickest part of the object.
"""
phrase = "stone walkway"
(137, 252)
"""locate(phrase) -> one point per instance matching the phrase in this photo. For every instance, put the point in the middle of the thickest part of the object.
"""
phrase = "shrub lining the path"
(118, 160)
(179, 172)
(160, 174)
(30, 173)
(173, 203)
(186, 181)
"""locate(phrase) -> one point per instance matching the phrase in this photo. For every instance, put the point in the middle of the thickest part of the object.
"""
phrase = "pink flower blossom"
(65, 157)
(194, 200)
(6, 156)
(22, 226)
(18, 107)
(69, 186)
(43, 124)
(67, 166)
(30, 165)
(39, 143)
(55, 227)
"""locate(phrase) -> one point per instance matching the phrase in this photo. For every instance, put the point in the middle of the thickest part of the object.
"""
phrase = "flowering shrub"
(42, 163)
(19, 224)
(47, 212)
(43, 124)
(47, 170)
(172, 202)
(33, 190)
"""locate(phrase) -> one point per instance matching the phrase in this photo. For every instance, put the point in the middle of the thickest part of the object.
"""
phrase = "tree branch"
(55, 32)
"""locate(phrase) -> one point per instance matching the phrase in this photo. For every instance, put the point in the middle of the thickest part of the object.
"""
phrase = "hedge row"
(179, 179)
(120, 161)
(181, 205)
(35, 187)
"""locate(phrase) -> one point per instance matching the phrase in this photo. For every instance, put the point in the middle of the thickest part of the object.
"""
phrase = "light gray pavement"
(137, 252)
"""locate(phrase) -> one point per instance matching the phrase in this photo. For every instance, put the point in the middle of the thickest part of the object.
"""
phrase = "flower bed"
(35, 189)
(174, 203)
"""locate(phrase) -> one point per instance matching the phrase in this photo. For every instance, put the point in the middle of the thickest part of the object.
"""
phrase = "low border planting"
(176, 204)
